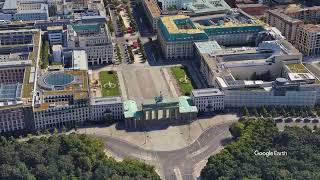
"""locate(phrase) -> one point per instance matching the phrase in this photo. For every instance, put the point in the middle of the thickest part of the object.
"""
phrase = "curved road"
(177, 164)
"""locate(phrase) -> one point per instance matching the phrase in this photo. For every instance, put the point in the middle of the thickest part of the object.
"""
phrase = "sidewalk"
(170, 84)
(122, 85)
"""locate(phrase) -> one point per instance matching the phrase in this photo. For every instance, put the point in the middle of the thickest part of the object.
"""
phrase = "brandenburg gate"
(175, 109)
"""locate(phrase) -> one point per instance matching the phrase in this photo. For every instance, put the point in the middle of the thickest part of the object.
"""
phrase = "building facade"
(308, 39)
(177, 34)
(94, 39)
(209, 99)
(14, 118)
(286, 24)
(61, 116)
(55, 35)
(106, 108)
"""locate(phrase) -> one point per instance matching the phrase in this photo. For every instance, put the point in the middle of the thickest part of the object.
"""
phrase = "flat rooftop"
(312, 28)
(206, 92)
(105, 101)
(10, 5)
(205, 6)
(207, 46)
(10, 92)
(153, 8)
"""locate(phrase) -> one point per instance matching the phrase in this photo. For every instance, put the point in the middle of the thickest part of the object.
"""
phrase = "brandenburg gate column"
(164, 113)
(144, 115)
(156, 114)
(171, 114)
(150, 115)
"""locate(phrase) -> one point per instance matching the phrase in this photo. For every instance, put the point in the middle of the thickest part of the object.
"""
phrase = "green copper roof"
(86, 27)
(186, 105)
(204, 33)
(182, 36)
(131, 109)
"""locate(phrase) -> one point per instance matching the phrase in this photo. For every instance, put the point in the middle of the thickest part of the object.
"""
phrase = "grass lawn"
(179, 73)
(27, 87)
(297, 68)
(106, 77)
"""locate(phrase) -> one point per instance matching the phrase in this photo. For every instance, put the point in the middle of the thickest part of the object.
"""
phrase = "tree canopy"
(71, 156)
(238, 159)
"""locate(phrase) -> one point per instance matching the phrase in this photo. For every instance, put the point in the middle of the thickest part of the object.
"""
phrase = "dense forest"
(71, 156)
(239, 161)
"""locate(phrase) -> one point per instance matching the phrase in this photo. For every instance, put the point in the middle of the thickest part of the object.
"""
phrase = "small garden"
(183, 79)
(109, 83)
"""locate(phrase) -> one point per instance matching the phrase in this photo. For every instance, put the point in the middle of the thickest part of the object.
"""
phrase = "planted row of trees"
(71, 156)
(300, 160)
(44, 53)
(143, 53)
(281, 111)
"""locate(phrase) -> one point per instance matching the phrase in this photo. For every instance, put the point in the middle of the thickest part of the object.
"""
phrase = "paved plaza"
(143, 84)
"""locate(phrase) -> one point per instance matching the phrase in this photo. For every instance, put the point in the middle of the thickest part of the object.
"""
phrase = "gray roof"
(106, 100)
(207, 47)
(206, 92)
(10, 4)
(10, 92)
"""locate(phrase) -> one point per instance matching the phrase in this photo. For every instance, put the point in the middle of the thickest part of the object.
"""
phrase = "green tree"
(45, 55)
(283, 112)
(237, 160)
(274, 113)
(236, 129)
(245, 111)
(292, 112)
(264, 112)
(74, 156)
(255, 112)
(53, 10)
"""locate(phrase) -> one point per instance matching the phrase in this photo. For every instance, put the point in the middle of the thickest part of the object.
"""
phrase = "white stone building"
(209, 99)
(106, 108)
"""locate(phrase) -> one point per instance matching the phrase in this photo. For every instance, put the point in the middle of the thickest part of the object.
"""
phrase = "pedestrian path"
(122, 85)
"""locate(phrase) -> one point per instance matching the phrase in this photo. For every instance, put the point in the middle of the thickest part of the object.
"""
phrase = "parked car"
(306, 120)
(315, 121)
(288, 120)
(279, 120)
(298, 120)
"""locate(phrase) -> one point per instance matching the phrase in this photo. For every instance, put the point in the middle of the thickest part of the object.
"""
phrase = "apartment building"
(286, 24)
(94, 39)
(298, 25)
(209, 99)
(308, 39)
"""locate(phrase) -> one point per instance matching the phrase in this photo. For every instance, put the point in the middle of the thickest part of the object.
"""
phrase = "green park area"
(109, 83)
(183, 79)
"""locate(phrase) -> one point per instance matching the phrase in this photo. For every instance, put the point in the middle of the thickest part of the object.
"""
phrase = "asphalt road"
(170, 162)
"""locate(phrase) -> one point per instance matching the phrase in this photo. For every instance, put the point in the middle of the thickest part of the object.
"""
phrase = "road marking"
(177, 173)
